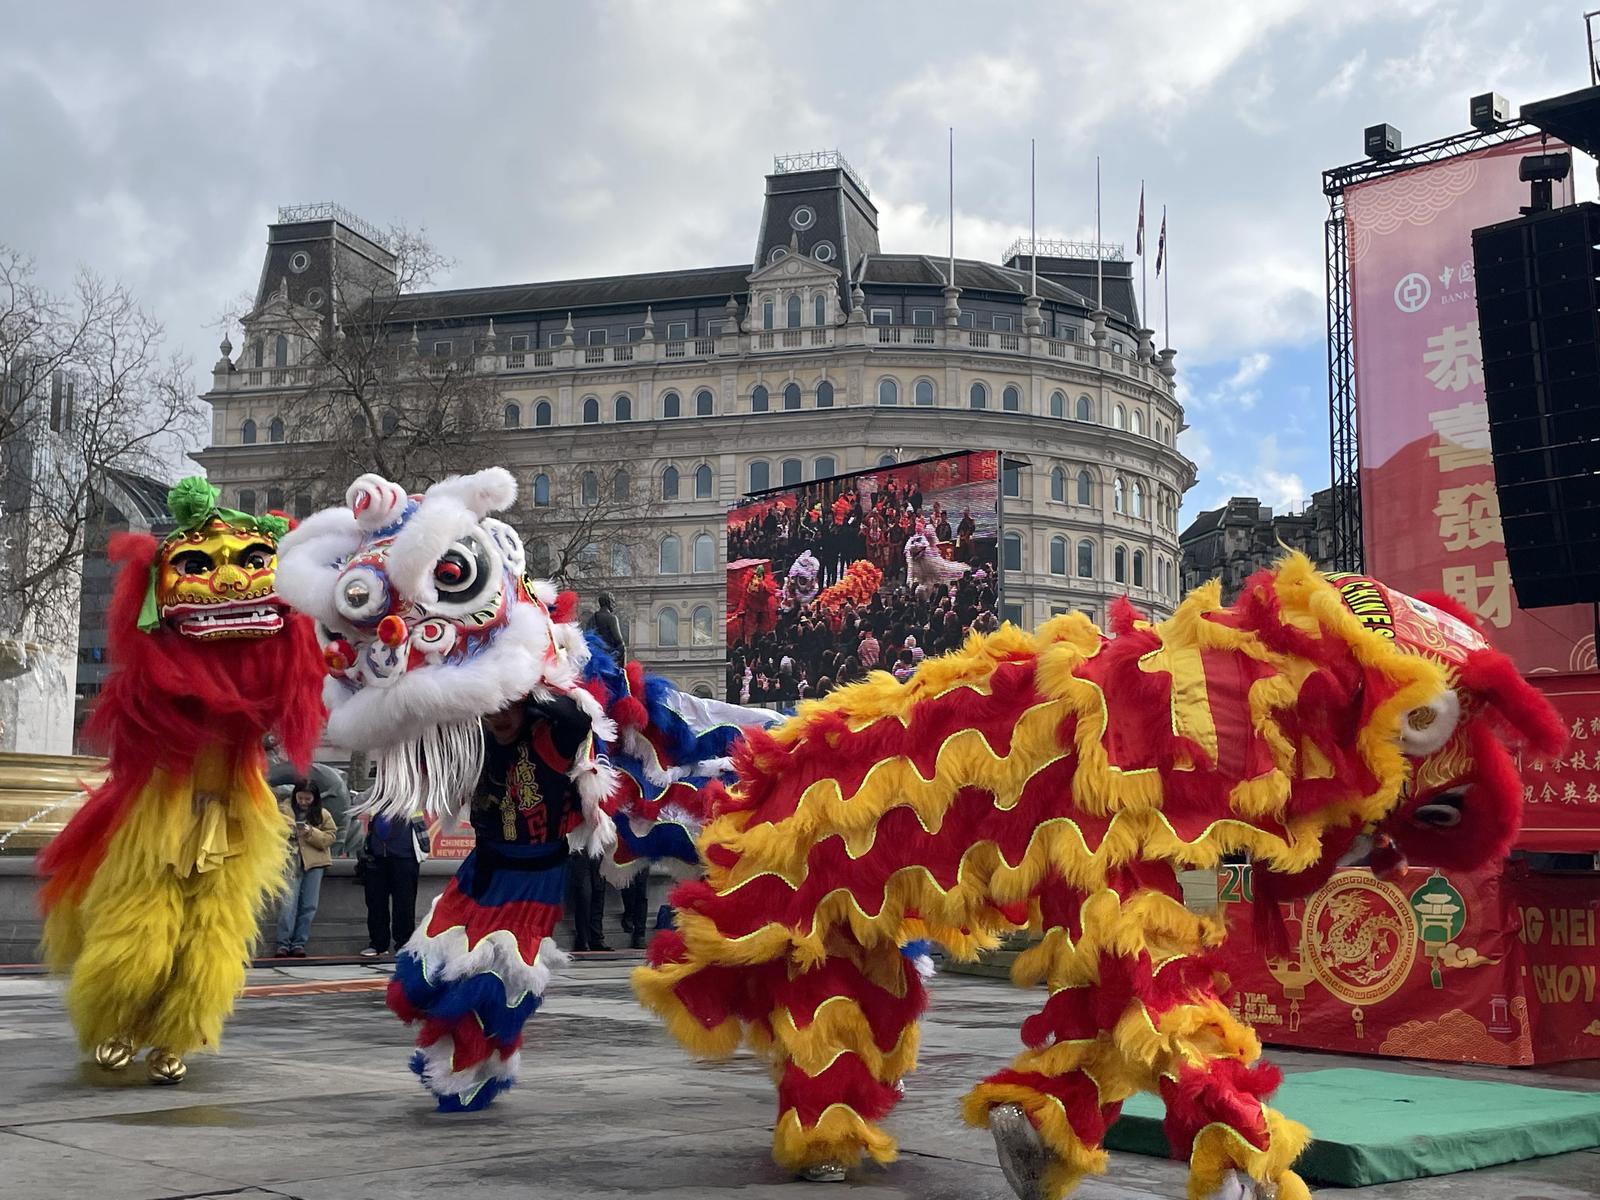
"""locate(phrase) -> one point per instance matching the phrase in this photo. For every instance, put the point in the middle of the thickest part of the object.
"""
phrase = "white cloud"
(979, 88)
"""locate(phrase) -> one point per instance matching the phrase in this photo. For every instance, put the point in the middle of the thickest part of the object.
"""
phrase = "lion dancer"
(154, 891)
(465, 680)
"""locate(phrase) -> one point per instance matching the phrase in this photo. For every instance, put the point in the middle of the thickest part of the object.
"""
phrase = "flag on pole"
(1138, 237)
(1161, 244)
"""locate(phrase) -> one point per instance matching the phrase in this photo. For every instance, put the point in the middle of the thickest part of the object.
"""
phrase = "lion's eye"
(257, 557)
(462, 571)
(193, 562)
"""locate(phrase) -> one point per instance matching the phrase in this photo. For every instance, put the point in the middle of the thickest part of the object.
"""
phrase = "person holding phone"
(312, 832)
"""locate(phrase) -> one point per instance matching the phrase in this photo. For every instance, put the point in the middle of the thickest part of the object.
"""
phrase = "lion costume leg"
(843, 1036)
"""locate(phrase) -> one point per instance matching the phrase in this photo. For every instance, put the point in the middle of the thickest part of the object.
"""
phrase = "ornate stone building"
(1235, 541)
(823, 355)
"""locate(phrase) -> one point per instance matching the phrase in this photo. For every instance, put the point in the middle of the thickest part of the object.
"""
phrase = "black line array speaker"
(1539, 319)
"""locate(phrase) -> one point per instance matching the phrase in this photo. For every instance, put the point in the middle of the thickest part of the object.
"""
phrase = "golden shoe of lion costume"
(1059, 780)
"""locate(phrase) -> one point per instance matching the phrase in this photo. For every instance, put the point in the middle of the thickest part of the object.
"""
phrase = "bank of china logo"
(1412, 292)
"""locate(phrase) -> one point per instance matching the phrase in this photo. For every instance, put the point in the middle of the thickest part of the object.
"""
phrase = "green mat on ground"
(1378, 1126)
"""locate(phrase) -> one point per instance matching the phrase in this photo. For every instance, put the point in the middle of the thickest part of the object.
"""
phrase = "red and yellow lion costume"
(1059, 780)
(154, 889)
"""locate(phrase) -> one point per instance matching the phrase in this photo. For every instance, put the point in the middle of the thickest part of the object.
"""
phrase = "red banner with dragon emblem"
(1497, 967)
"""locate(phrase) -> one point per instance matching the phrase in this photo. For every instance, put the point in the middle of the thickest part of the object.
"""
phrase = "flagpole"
(1099, 272)
(1166, 281)
(952, 206)
(1033, 214)
(1144, 279)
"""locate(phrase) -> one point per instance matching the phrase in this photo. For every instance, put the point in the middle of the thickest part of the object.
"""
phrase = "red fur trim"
(1078, 1094)
(169, 696)
(1491, 813)
(1225, 1090)
(1522, 706)
(845, 1081)
(1122, 616)
(634, 673)
(565, 608)
(628, 713)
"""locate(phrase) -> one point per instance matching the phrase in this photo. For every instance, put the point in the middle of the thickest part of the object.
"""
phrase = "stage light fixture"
(1543, 172)
(1490, 111)
(1382, 141)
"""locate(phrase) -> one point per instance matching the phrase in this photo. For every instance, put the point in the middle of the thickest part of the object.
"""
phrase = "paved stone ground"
(311, 1100)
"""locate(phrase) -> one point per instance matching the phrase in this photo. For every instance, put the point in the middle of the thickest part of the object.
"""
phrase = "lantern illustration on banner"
(1441, 915)
(1291, 970)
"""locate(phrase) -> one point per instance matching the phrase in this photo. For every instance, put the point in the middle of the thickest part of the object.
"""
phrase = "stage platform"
(1383, 1127)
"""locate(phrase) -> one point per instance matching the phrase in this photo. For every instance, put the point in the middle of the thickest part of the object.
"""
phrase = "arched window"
(1138, 500)
(1119, 496)
(1119, 564)
(667, 627)
(1085, 488)
(1058, 485)
(794, 311)
(758, 399)
(247, 432)
(589, 486)
(1011, 558)
(767, 314)
(1138, 568)
(923, 392)
(390, 422)
(823, 467)
(247, 500)
(1086, 559)
(700, 626)
(1138, 422)
(760, 476)
(275, 430)
(1010, 478)
(888, 392)
(274, 500)
(669, 484)
(669, 561)
(1085, 409)
(539, 558)
(623, 407)
(1058, 556)
(1058, 404)
(302, 506)
(704, 403)
(621, 485)
(621, 560)
(978, 396)
(670, 405)
(824, 394)
(256, 352)
(704, 553)
(789, 471)
(791, 396)
(541, 413)
(702, 482)
(513, 416)
(591, 411)
(886, 460)
(819, 309)
(541, 491)
(703, 690)
(1119, 417)
(1011, 399)
(358, 424)
(280, 351)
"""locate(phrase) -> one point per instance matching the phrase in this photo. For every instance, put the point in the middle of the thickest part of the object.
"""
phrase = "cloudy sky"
(153, 142)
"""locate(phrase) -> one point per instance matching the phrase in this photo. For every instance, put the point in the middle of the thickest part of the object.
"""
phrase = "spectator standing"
(391, 862)
(311, 833)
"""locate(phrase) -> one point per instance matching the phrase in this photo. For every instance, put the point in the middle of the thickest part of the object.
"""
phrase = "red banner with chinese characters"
(1430, 513)
(1496, 967)
(1563, 796)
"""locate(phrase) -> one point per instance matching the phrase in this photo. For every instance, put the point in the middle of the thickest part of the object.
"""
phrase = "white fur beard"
(436, 772)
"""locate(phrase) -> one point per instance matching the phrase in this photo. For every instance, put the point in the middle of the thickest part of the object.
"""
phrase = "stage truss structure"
(1344, 448)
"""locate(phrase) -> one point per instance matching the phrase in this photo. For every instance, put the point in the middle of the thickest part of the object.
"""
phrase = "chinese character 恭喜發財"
(1463, 436)
(1469, 516)
(1487, 594)
(1454, 358)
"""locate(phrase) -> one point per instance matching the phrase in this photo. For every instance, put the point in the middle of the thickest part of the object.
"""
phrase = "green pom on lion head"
(191, 501)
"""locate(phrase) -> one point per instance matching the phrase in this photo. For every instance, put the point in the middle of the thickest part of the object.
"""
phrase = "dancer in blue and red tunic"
(477, 969)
